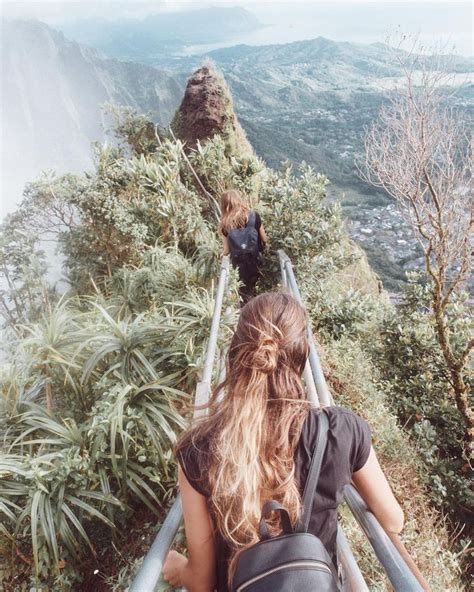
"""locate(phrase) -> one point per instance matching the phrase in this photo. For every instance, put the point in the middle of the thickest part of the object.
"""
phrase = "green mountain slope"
(311, 100)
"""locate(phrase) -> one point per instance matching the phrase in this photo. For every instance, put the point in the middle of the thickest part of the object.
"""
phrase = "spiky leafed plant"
(117, 346)
(165, 273)
(45, 490)
(49, 344)
(132, 431)
(189, 320)
(58, 475)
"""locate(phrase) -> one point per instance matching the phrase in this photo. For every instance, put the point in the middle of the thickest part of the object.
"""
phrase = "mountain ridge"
(314, 105)
(52, 93)
(327, 42)
(311, 105)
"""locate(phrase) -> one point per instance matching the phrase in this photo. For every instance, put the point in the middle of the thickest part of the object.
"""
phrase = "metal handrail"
(398, 572)
(354, 580)
(203, 388)
(289, 279)
(149, 573)
(396, 569)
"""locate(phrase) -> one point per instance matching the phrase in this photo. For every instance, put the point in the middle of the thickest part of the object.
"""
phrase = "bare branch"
(418, 151)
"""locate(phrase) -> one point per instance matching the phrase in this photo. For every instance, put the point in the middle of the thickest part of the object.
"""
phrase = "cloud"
(138, 8)
(72, 9)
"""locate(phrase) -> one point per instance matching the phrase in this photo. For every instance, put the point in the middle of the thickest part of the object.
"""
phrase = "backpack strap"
(314, 471)
(251, 220)
(284, 516)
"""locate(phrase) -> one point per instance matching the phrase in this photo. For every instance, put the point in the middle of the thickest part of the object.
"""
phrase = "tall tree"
(418, 151)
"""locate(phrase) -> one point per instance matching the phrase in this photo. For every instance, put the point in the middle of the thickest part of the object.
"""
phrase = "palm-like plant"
(164, 274)
(45, 491)
(120, 347)
(131, 432)
(16, 389)
(57, 475)
(48, 346)
(188, 330)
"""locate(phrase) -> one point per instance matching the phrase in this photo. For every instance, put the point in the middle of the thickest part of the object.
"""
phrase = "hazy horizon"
(447, 22)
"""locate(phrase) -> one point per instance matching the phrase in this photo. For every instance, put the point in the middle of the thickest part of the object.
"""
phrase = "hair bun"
(265, 356)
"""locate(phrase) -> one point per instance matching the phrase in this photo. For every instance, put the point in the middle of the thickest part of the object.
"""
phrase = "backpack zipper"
(314, 564)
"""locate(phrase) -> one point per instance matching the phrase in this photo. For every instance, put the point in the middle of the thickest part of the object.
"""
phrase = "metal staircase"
(389, 550)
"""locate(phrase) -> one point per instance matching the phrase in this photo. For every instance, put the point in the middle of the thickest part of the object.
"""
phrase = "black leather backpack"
(295, 561)
(243, 242)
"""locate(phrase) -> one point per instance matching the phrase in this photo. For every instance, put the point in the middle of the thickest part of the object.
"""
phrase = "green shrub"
(417, 383)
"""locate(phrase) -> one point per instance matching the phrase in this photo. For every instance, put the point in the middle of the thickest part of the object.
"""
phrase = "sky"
(139, 7)
(447, 21)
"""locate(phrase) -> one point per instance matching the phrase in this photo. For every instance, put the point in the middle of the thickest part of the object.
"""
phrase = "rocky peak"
(207, 110)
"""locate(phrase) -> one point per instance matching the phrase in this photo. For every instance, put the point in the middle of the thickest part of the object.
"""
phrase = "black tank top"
(347, 451)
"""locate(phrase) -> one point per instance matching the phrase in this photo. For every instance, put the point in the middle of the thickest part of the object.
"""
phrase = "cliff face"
(207, 110)
(52, 93)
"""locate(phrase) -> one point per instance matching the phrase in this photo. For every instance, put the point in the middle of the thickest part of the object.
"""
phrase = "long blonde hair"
(234, 211)
(253, 431)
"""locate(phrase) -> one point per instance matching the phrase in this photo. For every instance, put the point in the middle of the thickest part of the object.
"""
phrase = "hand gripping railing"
(148, 575)
(388, 549)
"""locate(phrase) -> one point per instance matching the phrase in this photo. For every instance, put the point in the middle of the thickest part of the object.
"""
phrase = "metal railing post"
(283, 258)
(354, 580)
(399, 574)
(149, 573)
(203, 388)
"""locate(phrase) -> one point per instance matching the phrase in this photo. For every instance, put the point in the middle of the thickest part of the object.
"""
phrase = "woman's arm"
(226, 249)
(197, 573)
(373, 486)
(263, 235)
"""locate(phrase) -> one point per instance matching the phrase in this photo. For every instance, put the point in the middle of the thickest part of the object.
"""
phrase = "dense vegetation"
(98, 381)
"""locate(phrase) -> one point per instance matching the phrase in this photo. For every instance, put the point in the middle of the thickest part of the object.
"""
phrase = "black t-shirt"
(347, 451)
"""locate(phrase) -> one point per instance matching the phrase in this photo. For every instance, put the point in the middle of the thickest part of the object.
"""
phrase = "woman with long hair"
(256, 444)
(236, 215)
